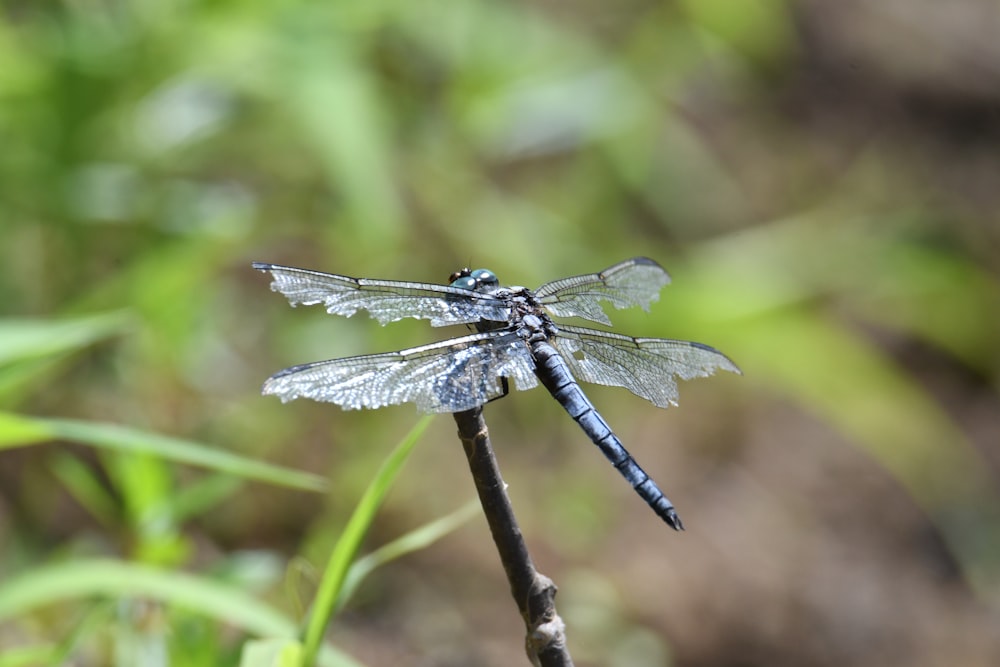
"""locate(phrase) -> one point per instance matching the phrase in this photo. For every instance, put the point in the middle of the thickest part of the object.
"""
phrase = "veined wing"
(648, 367)
(634, 282)
(450, 376)
(386, 300)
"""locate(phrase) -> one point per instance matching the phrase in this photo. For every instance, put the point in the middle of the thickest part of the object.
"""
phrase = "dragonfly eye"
(465, 282)
(485, 278)
(461, 273)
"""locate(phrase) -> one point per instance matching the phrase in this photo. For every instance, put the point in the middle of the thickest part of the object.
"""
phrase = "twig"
(534, 593)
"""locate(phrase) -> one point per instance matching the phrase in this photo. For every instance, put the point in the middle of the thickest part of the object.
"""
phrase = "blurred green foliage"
(840, 252)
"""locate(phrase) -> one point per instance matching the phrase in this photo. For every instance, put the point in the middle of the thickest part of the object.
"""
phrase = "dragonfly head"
(461, 273)
(478, 280)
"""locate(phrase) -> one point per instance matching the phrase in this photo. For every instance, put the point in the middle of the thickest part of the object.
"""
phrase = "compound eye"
(485, 278)
(465, 282)
(461, 273)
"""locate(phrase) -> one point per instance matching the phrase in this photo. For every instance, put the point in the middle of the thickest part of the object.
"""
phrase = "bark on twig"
(534, 593)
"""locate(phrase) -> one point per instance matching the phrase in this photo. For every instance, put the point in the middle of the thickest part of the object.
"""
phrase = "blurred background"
(820, 177)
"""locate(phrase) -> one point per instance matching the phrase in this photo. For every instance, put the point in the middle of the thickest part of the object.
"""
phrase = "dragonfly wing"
(386, 300)
(648, 367)
(450, 376)
(634, 282)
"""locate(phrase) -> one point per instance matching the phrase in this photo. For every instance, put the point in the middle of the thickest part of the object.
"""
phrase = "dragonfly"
(515, 341)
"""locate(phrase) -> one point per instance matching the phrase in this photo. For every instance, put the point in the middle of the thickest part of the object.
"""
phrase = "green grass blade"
(29, 656)
(331, 586)
(271, 653)
(288, 653)
(93, 621)
(29, 339)
(415, 540)
(330, 657)
(86, 489)
(201, 495)
(17, 430)
(91, 578)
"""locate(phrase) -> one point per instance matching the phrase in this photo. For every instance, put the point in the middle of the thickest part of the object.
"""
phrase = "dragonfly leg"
(506, 389)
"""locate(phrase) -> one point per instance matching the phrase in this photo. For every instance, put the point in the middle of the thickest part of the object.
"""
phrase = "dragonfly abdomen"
(555, 375)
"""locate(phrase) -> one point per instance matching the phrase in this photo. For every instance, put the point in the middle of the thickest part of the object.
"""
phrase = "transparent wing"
(634, 282)
(386, 300)
(451, 376)
(648, 367)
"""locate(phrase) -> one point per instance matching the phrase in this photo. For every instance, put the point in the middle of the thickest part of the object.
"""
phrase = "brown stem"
(534, 593)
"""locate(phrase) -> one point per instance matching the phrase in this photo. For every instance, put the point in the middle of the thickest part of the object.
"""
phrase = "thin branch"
(534, 593)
